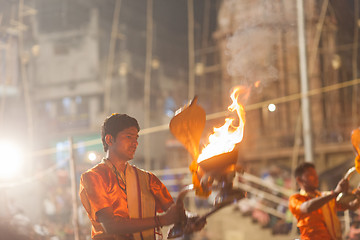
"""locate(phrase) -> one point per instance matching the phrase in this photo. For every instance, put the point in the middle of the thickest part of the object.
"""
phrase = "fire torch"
(213, 169)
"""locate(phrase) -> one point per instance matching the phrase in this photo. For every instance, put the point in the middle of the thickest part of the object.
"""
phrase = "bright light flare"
(11, 160)
(272, 107)
(225, 138)
(92, 156)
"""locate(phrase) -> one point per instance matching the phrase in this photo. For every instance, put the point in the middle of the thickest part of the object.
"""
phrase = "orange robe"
(99, 189)
(313, 225)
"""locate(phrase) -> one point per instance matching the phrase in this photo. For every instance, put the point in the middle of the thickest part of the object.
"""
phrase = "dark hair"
(116, 123)
(302, 168)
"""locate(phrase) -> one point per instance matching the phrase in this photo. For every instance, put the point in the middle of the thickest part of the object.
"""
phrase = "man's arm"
(316, 203)
(118, 225)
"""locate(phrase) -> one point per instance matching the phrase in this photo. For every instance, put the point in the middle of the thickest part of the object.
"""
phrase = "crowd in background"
(55, 221)
(255, 205)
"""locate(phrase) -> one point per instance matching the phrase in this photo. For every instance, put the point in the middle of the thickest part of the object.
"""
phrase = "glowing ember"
(225, 138)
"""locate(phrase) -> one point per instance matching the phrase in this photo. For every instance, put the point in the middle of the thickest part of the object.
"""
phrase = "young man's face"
(309, 181)
(125, 144)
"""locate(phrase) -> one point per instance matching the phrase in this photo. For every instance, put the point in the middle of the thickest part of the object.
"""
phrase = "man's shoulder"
(295, 201)
(99, 168)
(296, 196)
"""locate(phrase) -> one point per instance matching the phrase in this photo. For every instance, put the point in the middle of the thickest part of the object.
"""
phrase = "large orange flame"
(224, 138)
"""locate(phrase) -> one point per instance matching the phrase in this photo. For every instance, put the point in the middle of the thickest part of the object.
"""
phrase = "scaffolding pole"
(147, 80)
(305, 105)
(355, 65)
(191, 89)
(111, 56)
(25, 82)
(75, 216)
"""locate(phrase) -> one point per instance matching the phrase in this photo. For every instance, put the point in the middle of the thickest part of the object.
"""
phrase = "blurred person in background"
(121, 200)
(8, 231)
(315, 211)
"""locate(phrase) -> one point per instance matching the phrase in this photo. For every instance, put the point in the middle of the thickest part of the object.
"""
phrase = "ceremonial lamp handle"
(178, 229)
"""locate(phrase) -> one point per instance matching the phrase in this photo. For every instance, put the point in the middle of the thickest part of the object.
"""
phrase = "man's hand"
(356, 192)
(342, 186)
(174, 214)
(354, 204)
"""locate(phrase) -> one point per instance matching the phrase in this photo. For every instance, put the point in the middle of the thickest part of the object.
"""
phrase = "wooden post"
(73, 191)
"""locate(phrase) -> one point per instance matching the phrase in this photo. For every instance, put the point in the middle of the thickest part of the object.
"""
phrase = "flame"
(355, 140)
(224, 138)
(257, 84)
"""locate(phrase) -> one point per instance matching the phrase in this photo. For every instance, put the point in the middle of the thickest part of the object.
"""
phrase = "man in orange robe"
(315, 211)
(122, 200)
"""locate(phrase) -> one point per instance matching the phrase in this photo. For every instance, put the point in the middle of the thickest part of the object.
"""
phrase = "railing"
(179, 177)
(253, 185)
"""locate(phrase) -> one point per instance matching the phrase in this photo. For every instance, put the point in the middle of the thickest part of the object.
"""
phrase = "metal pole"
(24, 77)
(74, 191)
(191, 91)
(354, 105)
(147, 81)
(4, 81)
(204, 40)
(111, 56)
(305, 106)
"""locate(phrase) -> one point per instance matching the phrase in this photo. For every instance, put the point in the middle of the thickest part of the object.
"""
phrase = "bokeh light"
(11, 160)
(92, 156)
(272, 107)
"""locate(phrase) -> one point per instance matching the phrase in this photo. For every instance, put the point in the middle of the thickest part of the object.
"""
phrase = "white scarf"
(141, 202)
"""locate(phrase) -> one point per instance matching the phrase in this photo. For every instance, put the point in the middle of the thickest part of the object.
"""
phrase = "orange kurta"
(312, 225)
(99, 189)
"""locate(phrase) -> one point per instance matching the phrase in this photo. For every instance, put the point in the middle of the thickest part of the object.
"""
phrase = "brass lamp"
(347, 197)
(213, 174)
